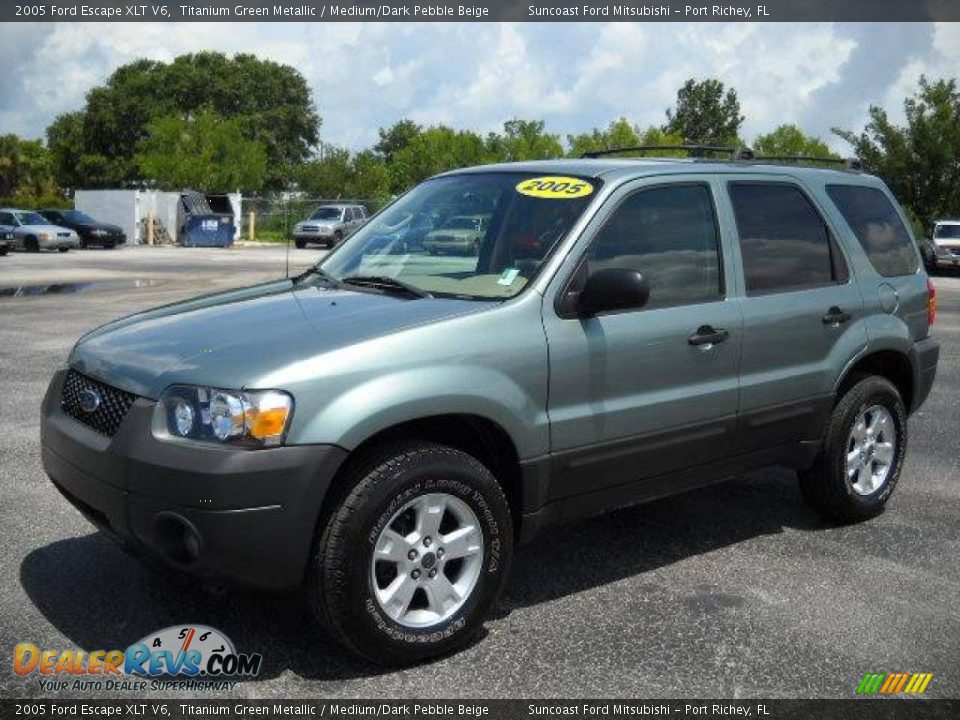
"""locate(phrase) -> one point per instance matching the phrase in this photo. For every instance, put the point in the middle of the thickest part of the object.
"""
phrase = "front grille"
(310, 228)
(113, 407)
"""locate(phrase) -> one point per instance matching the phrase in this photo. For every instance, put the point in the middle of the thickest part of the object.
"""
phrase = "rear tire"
(859, 465)
(406, 503)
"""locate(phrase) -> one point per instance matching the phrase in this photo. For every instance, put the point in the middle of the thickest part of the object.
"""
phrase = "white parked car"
(945, 251)
(33, 232)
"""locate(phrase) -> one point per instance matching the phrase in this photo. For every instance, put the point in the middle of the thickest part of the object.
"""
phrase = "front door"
(641, 393)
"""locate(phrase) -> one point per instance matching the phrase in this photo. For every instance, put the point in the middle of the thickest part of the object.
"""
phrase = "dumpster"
(204, 222)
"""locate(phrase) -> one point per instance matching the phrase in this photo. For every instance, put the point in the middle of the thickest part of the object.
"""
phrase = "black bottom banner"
(493, 709)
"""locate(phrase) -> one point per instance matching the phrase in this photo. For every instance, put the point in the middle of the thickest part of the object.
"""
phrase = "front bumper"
(329, 237)
(246, 516)
(947, 256)
(58, 242)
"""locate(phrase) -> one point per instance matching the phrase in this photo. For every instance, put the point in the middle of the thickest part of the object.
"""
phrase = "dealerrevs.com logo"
(192, 657)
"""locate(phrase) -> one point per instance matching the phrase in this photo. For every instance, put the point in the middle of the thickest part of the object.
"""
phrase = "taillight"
(931, 303)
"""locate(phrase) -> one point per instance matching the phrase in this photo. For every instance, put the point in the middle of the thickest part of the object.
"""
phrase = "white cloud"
(574, 76)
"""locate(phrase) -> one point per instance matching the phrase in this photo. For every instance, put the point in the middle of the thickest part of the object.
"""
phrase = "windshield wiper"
(386, 284)
(319, 272)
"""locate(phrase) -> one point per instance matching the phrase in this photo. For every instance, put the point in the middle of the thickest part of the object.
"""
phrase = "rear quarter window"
(878, 227)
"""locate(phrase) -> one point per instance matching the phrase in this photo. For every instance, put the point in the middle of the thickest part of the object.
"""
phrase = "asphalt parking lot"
(733, 591)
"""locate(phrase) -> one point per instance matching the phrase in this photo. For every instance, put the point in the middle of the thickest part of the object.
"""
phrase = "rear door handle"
(835, 316)
(708, 335)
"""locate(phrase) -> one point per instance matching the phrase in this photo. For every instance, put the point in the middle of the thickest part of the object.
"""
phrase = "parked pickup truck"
(383, 429)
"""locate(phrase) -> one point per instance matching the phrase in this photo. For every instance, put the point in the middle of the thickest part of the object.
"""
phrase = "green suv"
(386, 428)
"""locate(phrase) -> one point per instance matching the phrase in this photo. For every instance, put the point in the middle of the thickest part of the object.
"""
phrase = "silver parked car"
(33, 232)
(329, 224)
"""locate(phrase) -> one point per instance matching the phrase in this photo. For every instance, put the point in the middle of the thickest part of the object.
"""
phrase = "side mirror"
(613, 289)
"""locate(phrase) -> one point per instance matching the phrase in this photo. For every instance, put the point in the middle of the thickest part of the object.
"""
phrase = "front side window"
(784, 242)
(878, 227)
(515, 229)
(669, 235)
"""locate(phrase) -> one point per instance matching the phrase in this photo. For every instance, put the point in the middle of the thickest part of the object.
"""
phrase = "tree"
(621, 134)
(395, 138)
(26, 172)
(95, 146)
(706, 113)
(327, 176)
(202, 151)
(790, 140)
(433, 151)
(920, 160)
(523, 140)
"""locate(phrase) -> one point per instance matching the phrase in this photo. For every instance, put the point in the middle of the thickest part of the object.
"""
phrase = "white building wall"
(118, 207)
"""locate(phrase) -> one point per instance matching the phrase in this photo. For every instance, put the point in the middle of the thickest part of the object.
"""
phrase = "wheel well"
(480, 437)
(890, 364)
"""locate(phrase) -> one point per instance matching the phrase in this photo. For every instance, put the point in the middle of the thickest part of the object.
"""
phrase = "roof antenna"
(286, 229)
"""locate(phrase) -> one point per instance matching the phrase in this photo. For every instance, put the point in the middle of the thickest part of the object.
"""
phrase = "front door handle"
(835, 316)
(708, 335)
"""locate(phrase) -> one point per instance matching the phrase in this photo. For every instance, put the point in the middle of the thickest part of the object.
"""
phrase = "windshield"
(31, 218)
(951, 232)
(517, 219)
(327, 213)
(76, 216)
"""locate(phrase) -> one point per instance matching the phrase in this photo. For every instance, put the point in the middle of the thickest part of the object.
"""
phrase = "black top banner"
(479, 10)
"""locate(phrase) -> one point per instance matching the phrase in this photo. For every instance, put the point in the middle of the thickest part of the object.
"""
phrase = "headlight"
(253, 418)
(325, 228)
(45, 236)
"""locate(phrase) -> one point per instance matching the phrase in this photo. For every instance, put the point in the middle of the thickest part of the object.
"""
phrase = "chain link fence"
(271, 219)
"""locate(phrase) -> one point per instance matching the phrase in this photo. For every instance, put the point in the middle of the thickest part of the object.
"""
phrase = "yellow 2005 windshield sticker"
(555, 187)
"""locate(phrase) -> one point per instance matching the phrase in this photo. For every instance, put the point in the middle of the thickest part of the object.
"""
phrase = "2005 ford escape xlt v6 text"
(385, 428)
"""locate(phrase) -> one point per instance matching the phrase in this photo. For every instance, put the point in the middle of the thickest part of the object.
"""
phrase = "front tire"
(410, 562)
(31, 245)
(859, 465)
(63, 249)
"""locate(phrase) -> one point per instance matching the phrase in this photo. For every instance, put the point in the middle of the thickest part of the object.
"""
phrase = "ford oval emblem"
(89, 400)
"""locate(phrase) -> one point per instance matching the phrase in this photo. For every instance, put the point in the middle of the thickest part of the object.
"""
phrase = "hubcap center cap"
(429, 560)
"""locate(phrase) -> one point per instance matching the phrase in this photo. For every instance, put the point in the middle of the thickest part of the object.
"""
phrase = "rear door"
(639, 394)
(802, 312)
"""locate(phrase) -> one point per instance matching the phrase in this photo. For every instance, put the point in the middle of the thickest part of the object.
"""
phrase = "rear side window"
(670, 235)
(878, 227)
(784, 242)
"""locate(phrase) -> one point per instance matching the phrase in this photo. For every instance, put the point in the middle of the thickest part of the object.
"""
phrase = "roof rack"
(741, 154)
(848, 163)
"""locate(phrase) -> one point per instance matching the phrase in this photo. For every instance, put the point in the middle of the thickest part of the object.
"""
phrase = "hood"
(231, 339)
(28, 229)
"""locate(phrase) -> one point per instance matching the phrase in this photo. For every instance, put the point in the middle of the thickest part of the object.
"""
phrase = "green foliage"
(920, 160)
(523, 140)
(26, 174)
(202, 151)
(271, 104)
(706, 113)
(620, 133)
(790, 140)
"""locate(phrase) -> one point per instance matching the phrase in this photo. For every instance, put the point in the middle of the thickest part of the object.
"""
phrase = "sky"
(575, 76)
